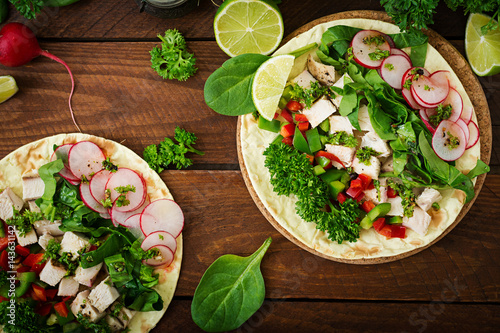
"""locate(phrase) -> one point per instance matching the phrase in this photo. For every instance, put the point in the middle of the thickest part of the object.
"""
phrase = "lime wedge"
(269, 82)
(483, 52)
(8, 87)
(248, 26)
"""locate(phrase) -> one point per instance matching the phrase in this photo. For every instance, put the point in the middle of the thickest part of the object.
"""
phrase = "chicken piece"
(419, 222)
(44, 240)
(340, 84)
(373, 194)
(46, 227)
(9, 199)
(372, 169)
(125, 315)
(319, 111)
(86, 276)
(33, 188)
(388, 165)
(29, 238)
(304, 79)
(82, 305)
(33, 206)
(427, 198)
(339, 124)
(396, 206)
(372, 140)
(52, 273)
(364, 119)
(68, 287)
(103, 295)
(74, 243)
(325, 74)
(114, 324)
(345, 154)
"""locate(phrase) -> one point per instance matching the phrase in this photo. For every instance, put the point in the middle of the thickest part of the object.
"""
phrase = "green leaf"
(228, 89)
(479, 169)
(231, 291)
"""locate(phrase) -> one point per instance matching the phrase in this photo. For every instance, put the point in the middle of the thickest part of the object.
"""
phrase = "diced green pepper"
(325, 125)
(285, 97)
(394, 220)
(332, 175)
(313, 140)
(278, 139)
(335, 188)
(300, 143)
(321, 160)
(323, 139)
(318, 170)
(41, 284)
(345, 178)
(272, 126)
(25, 280)
(2, 230)
(378, 211)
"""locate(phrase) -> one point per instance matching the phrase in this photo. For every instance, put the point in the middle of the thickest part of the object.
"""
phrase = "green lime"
(269, 82)
(248, 26)
(8, 87)
(483, 51)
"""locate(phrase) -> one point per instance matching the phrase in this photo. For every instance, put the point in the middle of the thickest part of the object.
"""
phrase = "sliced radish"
(127, 177)
(133, 224)
(159, 238)
(362, 49)
(388, 39)
(428, 92)
(98, 184)
(165, 256)
(425, 119)
(119, 217)
(455, 100)
(162, 215)
(62, 153)
(409, 99)
(464, 128)
(410, 75)
(105, 215)
(393, 68)
(441, 141)
(445, 74)
(473, 134)
(400, 52)
(85, 159)
(89, 200)
(467, 113)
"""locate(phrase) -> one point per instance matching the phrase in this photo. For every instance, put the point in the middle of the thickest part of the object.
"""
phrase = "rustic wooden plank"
(440, 315)
(112, 19)
(221, 218)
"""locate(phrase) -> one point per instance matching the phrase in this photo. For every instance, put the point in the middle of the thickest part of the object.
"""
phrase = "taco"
(418, 197)
(84, 264)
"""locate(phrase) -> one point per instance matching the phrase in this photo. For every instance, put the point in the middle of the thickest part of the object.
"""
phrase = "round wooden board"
(471, 85)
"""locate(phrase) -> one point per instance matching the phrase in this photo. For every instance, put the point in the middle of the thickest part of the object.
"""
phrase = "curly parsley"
(24, 221)
(443, 112)
(363, 154)
(342, 138)
(308, 95)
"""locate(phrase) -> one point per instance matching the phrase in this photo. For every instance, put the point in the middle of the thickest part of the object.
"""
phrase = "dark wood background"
(452, 286)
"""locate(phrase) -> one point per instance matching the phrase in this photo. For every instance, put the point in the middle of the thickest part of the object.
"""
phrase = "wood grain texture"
(221, 218)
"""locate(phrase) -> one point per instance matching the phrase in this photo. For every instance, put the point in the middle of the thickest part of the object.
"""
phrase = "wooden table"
(452, 286)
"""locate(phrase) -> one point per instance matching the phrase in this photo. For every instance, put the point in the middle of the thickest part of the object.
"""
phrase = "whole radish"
(18, 46)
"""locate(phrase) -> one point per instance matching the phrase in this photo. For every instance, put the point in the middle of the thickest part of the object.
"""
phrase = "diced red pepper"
(37, 268)
(379, 224)
(303, 126)
(354, 192)
(3, 299)
(51, 293)
(287, 130)
(32, 259)
(22, 269)
(330, 156)
(22, 251)
(391, 193)
(61, 309)
(371, 186)
(294, 106)
(39, 293)
(276, 115)
(386, 231)
(367, 206)
(365, 179)
(4, 242)
(4, 261)
(67, 298)
(287, 116)
(398, 231)
(341, 197)
(301, 117)
(357, 183)
(288, 141)
(310, 158)
(44, 309)
(360, 197)
(92, 248)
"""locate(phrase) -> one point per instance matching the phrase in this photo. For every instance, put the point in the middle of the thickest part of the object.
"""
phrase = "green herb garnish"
(363, 154)
(342, 138)
(379, 55)
(443, 112)
(24, 221)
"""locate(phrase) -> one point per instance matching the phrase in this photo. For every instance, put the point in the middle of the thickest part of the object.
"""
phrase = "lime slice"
(8, 87)
(248, 26)
(483, 52)
(269, 83)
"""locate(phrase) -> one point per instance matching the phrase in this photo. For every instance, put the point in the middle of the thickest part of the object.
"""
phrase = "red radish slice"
(409, 75)
(159, 238)
(425, 119)
(105, 215)
(127, 177)
(120, 217)
(441, 141)
(388, 39)
(89, 200)
(133, 224)
(393, 68)
(464, 128)
(165, 257)
(62, 153)
(98, 184)
(445, 74)
(473, 135)
(409, 99)
(467, 114)
(429, 92)
(85, 159)
(400, 52)
(362, 49)
(162, 215)
(455, 100)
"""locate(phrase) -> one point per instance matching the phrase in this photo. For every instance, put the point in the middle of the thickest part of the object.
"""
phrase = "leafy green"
(28, 8)
(231, 290)
(160, 157)
(171, 60)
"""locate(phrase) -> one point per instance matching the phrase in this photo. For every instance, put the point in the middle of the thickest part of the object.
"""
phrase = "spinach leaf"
(139, 298)
(111, 246)
(339, 38)
(417, 40)
(231, 291)
(46, 202)
(228, 90)
(479, 169)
